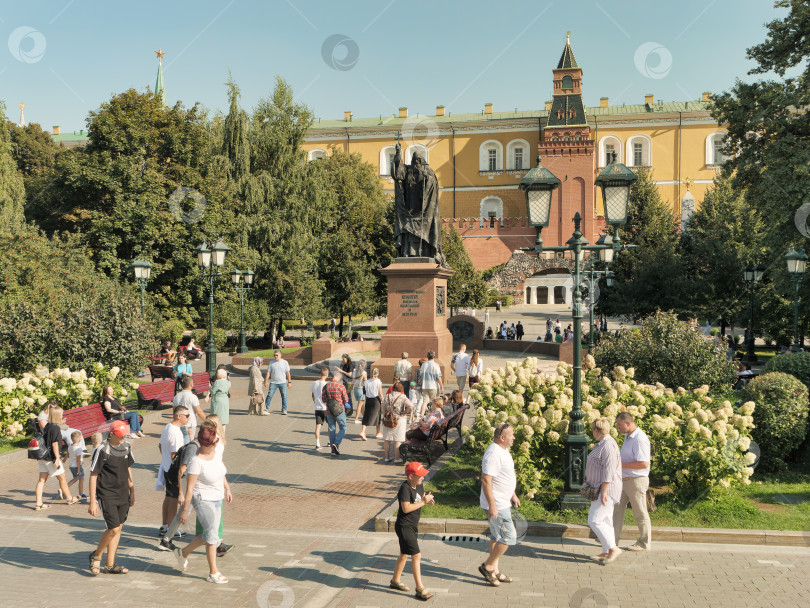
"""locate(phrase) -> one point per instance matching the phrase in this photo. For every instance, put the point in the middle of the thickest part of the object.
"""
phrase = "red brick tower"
(567, 151)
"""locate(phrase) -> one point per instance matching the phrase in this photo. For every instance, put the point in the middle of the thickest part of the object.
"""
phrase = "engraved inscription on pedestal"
(410, 301)
(440, 309)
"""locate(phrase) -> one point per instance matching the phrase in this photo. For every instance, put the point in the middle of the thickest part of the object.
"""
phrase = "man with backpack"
(335, 396)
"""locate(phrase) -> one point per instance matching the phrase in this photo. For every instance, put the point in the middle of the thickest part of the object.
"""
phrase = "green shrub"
(505, 298)
(737, 339)
(780, 417)
(374, 329)
(795, 364)
(172, 330)
(668, 351)
(714, 332)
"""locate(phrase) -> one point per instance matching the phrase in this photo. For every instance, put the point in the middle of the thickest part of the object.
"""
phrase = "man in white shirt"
(498, 483)
(432, 385)
(320, 407)
(635, 454)
(189, 400)
(402, 370)
(171, 440)
(278, 379)
(460, 360)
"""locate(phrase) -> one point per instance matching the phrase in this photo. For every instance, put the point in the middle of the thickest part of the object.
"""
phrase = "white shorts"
(46, 466)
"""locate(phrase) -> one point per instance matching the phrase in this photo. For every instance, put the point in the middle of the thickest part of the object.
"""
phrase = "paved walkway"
(301, 521)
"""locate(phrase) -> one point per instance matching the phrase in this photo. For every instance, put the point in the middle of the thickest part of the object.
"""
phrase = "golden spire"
(160, 55)
(568, 37)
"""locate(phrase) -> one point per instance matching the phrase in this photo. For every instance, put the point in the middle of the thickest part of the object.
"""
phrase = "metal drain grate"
(462, 539)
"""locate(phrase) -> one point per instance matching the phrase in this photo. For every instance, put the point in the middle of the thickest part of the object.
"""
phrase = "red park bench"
(153, 394)
(88, 419)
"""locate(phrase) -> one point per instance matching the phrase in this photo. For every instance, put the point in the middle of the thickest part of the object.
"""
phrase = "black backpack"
(174, 469)
(37, 448)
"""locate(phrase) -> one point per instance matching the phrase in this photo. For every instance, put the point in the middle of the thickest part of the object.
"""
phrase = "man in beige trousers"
(635, 454)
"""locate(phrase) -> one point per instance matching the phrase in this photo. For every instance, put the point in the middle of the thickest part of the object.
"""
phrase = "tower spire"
(22, 116)
(160, 91)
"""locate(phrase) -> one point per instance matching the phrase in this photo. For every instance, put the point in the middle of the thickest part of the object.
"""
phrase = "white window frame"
(423, 152)
(491, 203)
(647, 148)
(510, 154)
(603, 143)
(316, 154)
(483, 155)
(385, 167)
(710, 158)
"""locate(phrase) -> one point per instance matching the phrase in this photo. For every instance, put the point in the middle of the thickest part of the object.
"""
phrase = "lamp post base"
(573, 501)
(242, 346)
(211, 359)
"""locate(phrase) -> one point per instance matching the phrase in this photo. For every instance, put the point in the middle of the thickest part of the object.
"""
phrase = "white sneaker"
(357, 422)
(317, 446)
(182, 562)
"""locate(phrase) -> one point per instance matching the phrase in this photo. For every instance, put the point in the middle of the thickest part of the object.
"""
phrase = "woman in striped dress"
(604, 471)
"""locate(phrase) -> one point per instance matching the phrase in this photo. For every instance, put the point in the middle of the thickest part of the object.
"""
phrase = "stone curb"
(21, 454)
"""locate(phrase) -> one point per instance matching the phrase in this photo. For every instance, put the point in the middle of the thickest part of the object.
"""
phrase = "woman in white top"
(206, 487)
(475, 367)
(401, 406)
(371, 415)
(359, 378)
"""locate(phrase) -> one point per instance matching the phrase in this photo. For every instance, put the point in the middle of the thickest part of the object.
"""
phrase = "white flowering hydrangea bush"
(23, 398)
(698, 441)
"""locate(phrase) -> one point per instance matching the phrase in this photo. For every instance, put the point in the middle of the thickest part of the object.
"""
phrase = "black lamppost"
(606, 256)
(796, 263)
(615, 181)
(142, 270)
(211, 258)
(236, 277)
(753, 277)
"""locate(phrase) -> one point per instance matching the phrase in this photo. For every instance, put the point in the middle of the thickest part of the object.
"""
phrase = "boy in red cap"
(411, 498)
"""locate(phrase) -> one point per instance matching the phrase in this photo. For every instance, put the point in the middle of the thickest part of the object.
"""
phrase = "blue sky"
(63, 58)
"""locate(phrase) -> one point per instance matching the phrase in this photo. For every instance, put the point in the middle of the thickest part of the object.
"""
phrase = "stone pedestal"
(417, 316)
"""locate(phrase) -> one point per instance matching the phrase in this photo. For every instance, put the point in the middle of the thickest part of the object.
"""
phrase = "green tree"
(649, 275)
(12, 188)
(37, 157)
(466, 288)
(358, 237)
(721, 238)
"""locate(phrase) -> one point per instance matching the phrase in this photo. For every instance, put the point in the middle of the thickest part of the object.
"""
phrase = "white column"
(550, 294)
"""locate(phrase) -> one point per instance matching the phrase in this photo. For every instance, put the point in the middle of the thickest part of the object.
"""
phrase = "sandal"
(42, 507)
(489, 575)
(422, 594)
(399, 586)
(217, 578)
(95, 564)
(73, 500)
(503, 578)
(115, 569)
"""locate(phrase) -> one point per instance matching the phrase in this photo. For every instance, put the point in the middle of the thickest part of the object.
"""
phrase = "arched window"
(317, 153)
(491, 210)
(490, 156)
(386, 158)
(607, 146)
(517, 155)
(567, 82)
(714, 148)
(423, 152)
(639, 151)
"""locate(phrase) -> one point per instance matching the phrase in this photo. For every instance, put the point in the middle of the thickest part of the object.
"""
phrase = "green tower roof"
(567, 59)
(160, 91)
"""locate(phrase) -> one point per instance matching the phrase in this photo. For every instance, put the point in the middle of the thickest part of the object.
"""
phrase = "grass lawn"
(779, 502)
(268, 354)
(8, 444)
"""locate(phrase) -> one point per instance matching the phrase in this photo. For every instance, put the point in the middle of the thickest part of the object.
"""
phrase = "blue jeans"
(341, 422)
(282, 388)
(133, 421)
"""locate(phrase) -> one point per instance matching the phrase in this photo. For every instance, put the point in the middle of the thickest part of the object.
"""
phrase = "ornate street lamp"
(538, 185)
(615, 181)
(796, 263)
(752, 274)
(238, 276)
(211, 257)
(142, 270)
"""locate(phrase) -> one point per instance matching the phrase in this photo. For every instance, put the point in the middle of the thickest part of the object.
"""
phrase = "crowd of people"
(192, 474)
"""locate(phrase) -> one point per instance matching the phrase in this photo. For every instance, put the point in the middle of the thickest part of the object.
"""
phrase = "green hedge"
(795, 364)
